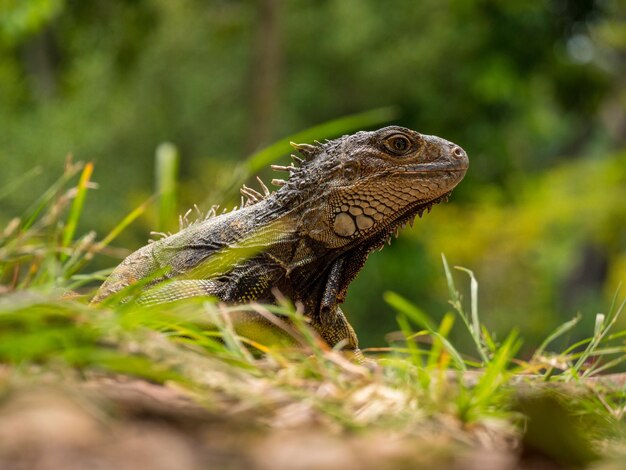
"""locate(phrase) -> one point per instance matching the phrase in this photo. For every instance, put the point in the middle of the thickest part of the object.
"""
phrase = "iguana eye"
(398, 144)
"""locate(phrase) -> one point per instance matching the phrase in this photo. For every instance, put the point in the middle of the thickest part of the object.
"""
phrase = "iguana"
(308, 240)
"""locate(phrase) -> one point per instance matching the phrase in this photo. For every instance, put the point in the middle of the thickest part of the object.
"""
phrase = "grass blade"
(125, 222)
(474, 300)
(406, 308)
(413, 312)
(77, 207)
(559, 331)
(32, 213)
(166, 177)
(472, 326)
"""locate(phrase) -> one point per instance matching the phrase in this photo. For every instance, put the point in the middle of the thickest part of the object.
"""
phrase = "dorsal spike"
(265, 189)
(255, 192)
(212, 212)
(297, 160)
(277, 182)
(183, 220)
(159, 234)
(252, 194)
(307, 150)
(288, 169)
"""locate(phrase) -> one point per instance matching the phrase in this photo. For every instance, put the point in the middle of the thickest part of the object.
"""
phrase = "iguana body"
(309, 239)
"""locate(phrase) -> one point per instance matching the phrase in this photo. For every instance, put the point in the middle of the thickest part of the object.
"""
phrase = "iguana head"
(366, 185)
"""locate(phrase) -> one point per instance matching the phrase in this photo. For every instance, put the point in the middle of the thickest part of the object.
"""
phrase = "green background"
(534, 91)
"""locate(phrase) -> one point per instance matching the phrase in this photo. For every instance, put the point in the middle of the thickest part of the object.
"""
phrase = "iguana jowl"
(310, 238)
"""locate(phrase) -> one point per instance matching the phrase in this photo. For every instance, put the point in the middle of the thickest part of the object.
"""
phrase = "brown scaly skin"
(309, 239)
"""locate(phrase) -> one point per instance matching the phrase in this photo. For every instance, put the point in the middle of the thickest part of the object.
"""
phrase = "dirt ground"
(128, 424)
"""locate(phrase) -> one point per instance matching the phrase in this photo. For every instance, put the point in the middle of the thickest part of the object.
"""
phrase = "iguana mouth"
(455, 169)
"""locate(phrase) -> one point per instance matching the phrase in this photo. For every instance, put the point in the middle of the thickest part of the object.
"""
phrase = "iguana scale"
(309, 239)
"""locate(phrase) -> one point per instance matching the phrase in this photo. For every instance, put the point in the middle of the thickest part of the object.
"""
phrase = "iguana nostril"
(458, 152)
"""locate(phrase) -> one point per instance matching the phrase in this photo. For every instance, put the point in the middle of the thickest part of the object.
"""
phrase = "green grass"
(418, 385)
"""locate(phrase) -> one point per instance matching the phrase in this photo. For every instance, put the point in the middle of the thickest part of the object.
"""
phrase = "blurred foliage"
(533, 90)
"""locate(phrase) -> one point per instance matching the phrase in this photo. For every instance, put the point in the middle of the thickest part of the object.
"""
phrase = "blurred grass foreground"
(512, 361)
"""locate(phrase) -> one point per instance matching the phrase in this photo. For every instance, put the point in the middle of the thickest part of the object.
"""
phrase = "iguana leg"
(335, 328)
(332, 289)
(341, 274)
